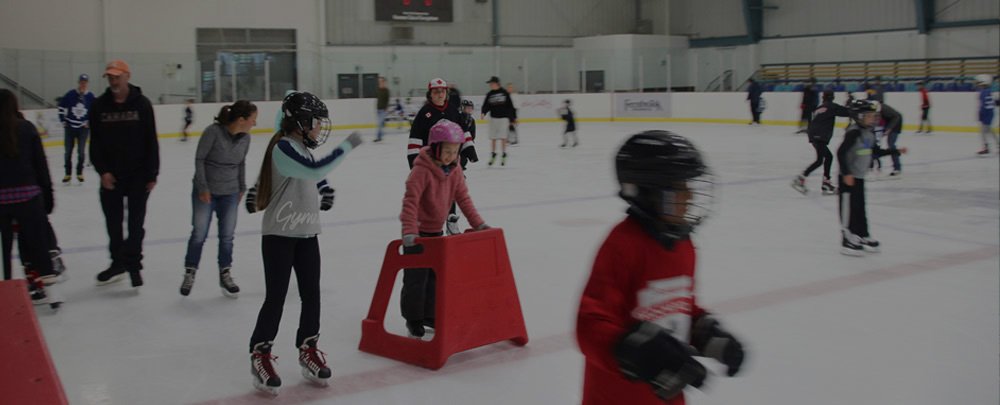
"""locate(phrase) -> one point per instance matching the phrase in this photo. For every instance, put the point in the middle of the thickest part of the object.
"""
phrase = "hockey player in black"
(469, 123)
(438, 106)
(820, 131)
(570, 132)
(810, 99)
(893, 124)
(854, 156)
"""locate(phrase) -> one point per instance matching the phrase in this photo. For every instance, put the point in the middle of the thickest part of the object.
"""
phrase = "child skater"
(287, 191)
(434, 182)
(570, 132)
(639, 325)
(854, 156)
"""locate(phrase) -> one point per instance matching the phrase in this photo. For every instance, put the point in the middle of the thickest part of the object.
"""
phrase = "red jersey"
(925, 101)
(634, 279)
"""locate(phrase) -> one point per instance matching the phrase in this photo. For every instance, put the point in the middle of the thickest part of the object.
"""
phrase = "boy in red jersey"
(639, 326)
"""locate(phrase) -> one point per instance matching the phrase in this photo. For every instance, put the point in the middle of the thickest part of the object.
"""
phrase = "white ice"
(915, 324)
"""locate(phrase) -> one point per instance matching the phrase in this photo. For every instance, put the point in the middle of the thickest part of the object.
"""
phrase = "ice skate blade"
(272, 391)
(228, 294)
(871, 249)
(114, 279)
(319, 382)
(852, 252)
(800, 189)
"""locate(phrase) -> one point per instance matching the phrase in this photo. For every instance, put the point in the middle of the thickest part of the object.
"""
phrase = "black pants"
(807, 114)
(125, 253)
(417, 298)
(50, 238)
(75, 137)
(33, 237)
(853, 219)
(282, 254)
(755, 111)
(823, 157)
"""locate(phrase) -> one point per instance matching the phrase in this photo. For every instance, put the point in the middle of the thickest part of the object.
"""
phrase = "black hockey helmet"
(306, 111)
(666, 182)
(860, 107)
(467, 103)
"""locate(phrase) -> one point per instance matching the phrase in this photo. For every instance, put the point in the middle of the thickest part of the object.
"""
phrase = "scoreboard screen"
(413, 10)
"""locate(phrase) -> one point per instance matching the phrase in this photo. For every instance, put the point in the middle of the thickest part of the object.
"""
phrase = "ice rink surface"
(918, 323)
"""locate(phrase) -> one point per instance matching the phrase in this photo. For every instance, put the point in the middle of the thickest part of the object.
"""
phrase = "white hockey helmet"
(984, 80)
(437, 83)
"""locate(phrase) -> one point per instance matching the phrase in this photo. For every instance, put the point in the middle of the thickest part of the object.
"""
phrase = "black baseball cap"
(494, 79)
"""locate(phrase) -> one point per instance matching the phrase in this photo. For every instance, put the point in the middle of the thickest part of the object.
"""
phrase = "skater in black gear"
(500, 107)
(439, 106)
(820, 131)
(26, 194)
(809, 101)
(566, 114)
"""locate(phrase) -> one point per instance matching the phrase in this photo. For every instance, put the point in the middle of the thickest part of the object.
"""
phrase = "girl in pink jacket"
(434, 182)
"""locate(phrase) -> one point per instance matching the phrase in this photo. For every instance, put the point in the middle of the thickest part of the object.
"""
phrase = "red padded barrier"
(477, 302)
(27, 375)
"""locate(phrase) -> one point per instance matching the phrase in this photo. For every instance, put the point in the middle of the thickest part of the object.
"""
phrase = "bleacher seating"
(901, 75)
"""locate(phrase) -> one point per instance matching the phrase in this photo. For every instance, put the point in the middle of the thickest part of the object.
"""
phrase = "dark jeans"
(853, 218)
(225, 208)
(417, 299)
(755, 111)
(823, 157)
(893, 135)
(281, 254)
(74, 136)
(33, 237)
(125, 253)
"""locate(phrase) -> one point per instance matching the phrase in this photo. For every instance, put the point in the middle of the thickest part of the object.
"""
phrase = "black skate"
(799, 184)
(415, 329)
(829, 188)
(229, 287)
(188, 282)
(39, 294)
(851, 249)
(136, 278)
(870, 245)
(110, 275)
(313, 362)
(262, 369)
(58, 269)
(984, 152)
(493, 158)
(503, 160)
(452, 225)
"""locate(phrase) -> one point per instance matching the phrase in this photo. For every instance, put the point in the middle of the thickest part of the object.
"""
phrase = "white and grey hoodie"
(293, 210)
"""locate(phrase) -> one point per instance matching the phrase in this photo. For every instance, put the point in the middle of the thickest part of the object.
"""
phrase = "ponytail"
(234, 111)
(264, 178)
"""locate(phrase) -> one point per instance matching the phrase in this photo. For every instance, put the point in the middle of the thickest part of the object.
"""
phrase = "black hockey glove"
(648, 353)
(251, 201)
(469, 152)
(326, 202)
(708, 337)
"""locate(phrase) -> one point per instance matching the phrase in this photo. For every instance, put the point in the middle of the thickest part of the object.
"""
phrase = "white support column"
(267, 78)
(640, 74)
(669, 79)
(524, 71)
(218, 81)
(555, 76)
(582, 76)
(234, 77)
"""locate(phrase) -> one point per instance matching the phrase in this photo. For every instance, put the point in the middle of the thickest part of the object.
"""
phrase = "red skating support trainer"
(477, 302)
(27, 375)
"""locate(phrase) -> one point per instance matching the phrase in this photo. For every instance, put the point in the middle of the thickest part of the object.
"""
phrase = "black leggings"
(823, 157)
(281, 254)
(33, 238)
(417, 297)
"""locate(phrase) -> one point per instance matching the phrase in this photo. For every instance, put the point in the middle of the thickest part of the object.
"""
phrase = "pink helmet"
(446, 131)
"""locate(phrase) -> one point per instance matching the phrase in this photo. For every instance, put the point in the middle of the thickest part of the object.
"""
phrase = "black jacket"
(499, 105)
(810, 98)
(425, 119)
(29, 167)
(754, 92)
(123, 137)
(893, 119)
(823, 120)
